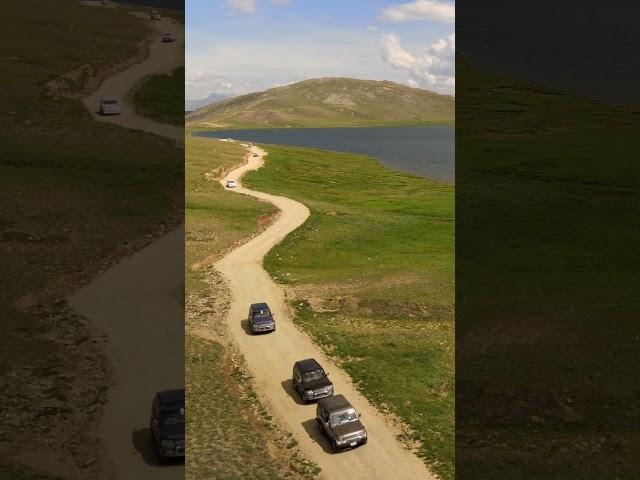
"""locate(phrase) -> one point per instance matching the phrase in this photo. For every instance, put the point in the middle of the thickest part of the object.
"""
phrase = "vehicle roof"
(259, 306)
(172, 397)
(308, 365)
(108, 99)
(335, 403)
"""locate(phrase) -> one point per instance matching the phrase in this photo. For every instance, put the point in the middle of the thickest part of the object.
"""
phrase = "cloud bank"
(434, 70)
(433, 10)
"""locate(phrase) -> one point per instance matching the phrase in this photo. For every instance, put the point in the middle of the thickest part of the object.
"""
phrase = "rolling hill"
(328, 102)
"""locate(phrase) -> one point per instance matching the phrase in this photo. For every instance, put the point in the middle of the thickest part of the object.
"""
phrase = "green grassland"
(161, 97)
(226, 431)
(372, 273)
(547, 307)
(76, 194)
(329, 102)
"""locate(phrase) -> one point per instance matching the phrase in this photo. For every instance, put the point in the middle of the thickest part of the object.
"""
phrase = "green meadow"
(548, 187)
(372, 276)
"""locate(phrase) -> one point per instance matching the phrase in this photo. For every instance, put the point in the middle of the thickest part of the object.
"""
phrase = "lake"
(428, 151)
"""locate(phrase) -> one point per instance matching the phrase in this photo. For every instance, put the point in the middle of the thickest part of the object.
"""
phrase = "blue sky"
(238, 46)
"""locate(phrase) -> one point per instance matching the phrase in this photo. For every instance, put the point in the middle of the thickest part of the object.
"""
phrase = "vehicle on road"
(261, 319)
(231, 184)
(310, 380)
(168, 38)
(109, 106)
(255, 155)
(340, 423)
(155, 15)
(167, 423)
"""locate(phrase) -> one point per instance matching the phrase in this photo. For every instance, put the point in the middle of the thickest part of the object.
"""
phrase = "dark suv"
(310, 380)
(167, 423)
(340, 422)
(261, 319)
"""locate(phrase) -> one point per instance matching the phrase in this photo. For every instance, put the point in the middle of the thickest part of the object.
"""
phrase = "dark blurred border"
(547, 277)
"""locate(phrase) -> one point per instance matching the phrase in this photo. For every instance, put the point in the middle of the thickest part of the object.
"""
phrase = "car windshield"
(262, 313)
(174, 418)
(341, 418)
(315, 375)
(109, 102)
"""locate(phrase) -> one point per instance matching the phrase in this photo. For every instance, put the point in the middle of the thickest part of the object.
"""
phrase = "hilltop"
(328, 102)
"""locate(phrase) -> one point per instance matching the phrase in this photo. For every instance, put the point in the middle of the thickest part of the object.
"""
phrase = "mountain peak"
(329, 101)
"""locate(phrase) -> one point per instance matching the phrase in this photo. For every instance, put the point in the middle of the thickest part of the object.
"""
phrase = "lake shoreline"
(399, 148)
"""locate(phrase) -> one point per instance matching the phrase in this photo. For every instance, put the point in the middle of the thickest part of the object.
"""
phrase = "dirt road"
(163, 58)
(138, 305)
(270, 357)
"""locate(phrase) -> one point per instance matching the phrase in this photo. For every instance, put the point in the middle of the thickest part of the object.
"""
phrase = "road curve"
(138, 305)
(270, 357)
(163, 58)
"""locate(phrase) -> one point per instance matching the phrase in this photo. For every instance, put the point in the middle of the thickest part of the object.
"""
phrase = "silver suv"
(340, 423)
(109, 106)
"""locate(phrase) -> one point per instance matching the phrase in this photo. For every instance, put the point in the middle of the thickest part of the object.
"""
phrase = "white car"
(168, 38)
(155, 15)
(109, 106)
(231, 184)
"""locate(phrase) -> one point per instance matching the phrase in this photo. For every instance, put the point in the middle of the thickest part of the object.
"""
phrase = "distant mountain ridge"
(191, 105)
(328, 102)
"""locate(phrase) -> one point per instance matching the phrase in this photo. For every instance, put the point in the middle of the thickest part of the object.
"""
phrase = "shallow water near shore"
(425, 150)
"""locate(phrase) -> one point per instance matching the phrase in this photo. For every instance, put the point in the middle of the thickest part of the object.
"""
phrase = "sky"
(241, 46)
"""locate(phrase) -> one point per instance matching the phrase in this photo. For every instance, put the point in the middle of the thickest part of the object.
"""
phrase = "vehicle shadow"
(245, 326)
(287, 386)
(313, 430)
(143, 444)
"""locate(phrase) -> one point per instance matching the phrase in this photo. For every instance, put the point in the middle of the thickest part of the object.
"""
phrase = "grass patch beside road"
(372, 273)
(161, 97)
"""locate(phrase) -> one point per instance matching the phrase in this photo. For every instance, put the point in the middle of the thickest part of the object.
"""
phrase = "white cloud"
(412, 83)
(434, 10)
(372, 28)
(434, 69)
(244, 6)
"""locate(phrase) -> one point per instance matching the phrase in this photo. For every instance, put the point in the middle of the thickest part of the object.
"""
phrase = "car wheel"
(335, 446)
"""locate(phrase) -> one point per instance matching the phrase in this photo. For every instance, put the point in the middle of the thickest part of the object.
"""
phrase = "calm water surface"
(422, 150)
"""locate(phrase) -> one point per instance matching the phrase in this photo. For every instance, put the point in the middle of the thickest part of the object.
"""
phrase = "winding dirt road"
(270, 357)
(163, 58)
(137, 303)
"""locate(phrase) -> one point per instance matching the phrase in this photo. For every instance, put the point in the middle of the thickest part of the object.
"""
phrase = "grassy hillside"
(328, 102)
(76, 194)
(161, 97)
(547, 194)
(371, 278)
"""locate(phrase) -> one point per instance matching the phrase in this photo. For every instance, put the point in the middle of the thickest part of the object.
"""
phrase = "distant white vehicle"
(168, 38)
(231, 184)
(155, 15)
(109, 106)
